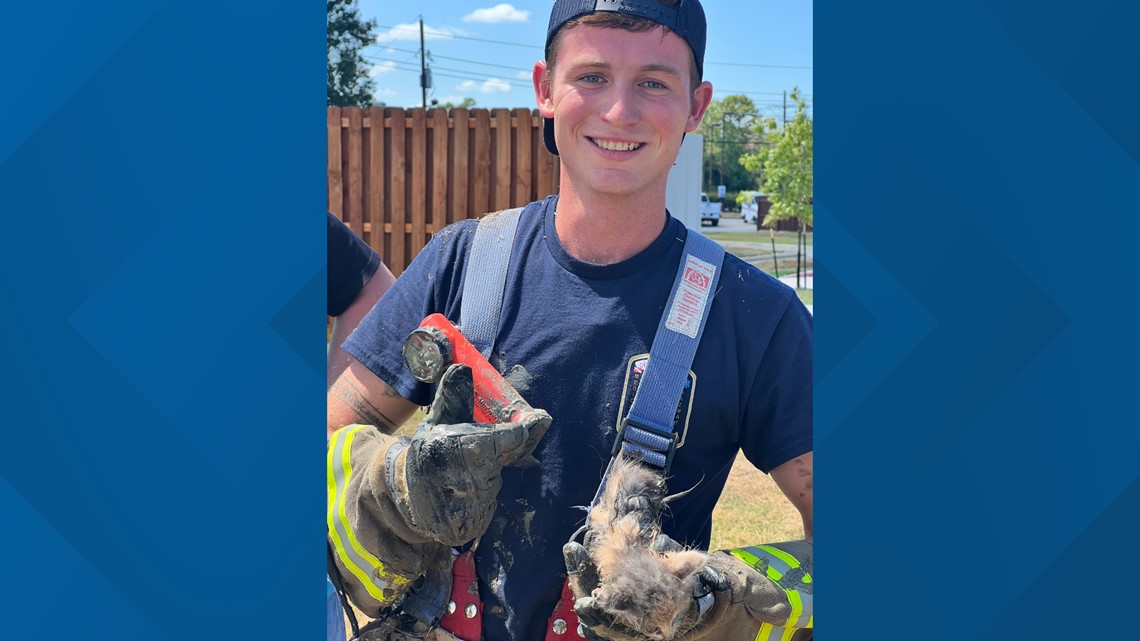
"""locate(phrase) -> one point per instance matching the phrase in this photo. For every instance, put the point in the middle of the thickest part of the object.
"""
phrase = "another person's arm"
(357, 278)
(343, 325)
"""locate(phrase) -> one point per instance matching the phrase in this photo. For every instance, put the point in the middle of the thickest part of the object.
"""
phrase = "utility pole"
(423, 69)
(721, 154)
(785, 107)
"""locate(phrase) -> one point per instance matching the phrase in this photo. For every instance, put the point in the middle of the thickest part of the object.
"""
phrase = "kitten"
(647, 590)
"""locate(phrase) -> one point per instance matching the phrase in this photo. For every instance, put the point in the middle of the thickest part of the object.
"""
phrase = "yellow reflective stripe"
(797, 606)
(779, 563)
(754, 561)
(353, 555)
(769, 632)
(804, 620)
(792, 561)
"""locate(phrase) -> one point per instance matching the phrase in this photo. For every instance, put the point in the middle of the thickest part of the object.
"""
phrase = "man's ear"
(542, 92)
(702, 96)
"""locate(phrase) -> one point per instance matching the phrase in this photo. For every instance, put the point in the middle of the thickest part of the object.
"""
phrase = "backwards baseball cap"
(686, 18)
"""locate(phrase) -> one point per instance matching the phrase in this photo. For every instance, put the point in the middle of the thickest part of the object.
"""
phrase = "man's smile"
(615, 145)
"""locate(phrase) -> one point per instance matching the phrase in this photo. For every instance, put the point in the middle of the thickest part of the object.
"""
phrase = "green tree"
(467, 103)
(728, 128)
(783, 164)
(784, 168)
(349, 83)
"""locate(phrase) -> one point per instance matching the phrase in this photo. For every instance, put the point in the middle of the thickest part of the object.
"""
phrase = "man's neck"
(605, 230)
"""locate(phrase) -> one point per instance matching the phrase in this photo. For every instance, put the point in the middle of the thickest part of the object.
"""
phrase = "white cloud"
(523, 75)
(382, 68)
(494, 85)
(498, 13)
(411, 31)
(385, 92)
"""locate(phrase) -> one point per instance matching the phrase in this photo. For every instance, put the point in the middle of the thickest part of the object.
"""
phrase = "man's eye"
(592, 78)
(653, 84)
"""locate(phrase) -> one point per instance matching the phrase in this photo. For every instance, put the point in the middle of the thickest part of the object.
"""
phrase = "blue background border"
(162, 183)
(977, 172)
(976, 319)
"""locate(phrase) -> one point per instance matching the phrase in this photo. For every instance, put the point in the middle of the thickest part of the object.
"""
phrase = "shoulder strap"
(487, 277)
(647, 433)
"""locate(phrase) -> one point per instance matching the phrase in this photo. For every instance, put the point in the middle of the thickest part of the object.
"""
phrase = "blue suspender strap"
(486, 278)
(647, 433)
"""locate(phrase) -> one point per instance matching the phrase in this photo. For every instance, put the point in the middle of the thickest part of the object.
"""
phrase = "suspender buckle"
(651, 444)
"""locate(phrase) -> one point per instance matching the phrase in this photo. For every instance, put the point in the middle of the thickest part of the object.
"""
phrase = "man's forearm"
(359, 397)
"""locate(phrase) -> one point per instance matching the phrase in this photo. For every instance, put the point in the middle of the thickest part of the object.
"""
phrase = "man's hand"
(600, 622)
(446, 478)
(731, 598)
(396, 506)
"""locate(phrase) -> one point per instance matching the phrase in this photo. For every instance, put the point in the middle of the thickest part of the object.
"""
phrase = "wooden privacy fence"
(396, 176)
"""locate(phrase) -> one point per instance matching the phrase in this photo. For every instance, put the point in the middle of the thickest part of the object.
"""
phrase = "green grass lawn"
(782, 237)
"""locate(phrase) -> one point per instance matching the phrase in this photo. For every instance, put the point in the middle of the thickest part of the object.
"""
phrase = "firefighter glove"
(444, 481)
(735, 595)
(398, 505)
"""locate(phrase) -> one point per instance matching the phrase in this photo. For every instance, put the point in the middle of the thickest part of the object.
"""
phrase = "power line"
(472, 75)
(516, 44)
(452, 35)
(477, 62)
(749, 64)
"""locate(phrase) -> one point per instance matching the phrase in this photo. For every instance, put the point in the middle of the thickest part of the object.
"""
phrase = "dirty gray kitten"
(647, 590)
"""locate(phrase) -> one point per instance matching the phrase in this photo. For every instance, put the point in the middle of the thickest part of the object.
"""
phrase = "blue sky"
(485, 49)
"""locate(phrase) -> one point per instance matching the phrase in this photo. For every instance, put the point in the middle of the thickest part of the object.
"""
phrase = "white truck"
(710, 211)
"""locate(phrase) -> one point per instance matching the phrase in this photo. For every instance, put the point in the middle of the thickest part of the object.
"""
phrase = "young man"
(590, 275)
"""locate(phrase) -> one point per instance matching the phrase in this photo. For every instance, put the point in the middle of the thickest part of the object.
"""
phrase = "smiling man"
(604, 297)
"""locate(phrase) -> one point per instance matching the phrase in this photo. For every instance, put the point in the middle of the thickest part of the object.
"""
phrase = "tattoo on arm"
(349, 394)
(805, 474)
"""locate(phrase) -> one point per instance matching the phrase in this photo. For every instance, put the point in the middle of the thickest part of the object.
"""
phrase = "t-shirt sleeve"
(351, 262)
(431, 284)
(778, 416)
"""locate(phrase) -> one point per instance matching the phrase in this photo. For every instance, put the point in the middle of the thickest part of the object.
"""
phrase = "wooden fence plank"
(394, 182)
(419, 159)
(544, 165)
(522, 183)
(439, 174)
(458, 207)
(374, 181)
(335, 173)
(481, 165)
(502, 152)
(398, 177)
(354, 205)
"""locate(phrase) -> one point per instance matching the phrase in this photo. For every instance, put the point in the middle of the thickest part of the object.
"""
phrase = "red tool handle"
(436, 344)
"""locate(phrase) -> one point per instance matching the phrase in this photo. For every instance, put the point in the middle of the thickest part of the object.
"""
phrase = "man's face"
(620, 102)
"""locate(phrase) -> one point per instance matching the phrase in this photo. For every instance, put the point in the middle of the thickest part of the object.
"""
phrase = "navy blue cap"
(686, 18)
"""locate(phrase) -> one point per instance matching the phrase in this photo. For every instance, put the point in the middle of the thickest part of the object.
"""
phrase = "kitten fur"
(647, 590)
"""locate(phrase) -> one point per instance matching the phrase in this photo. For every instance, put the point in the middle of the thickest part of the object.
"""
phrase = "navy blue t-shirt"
(351, 262)
(572, 335)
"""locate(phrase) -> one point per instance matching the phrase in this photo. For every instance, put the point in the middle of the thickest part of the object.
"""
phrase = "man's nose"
(622, 108)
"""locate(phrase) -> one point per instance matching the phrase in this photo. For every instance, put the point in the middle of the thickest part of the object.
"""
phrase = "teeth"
(613, 145)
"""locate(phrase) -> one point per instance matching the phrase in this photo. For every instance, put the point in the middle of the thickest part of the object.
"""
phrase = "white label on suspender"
(692, 296)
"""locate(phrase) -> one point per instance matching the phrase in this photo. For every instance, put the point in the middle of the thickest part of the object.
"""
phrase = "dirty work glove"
(445, 479)
(733, 596)
(398, 505)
